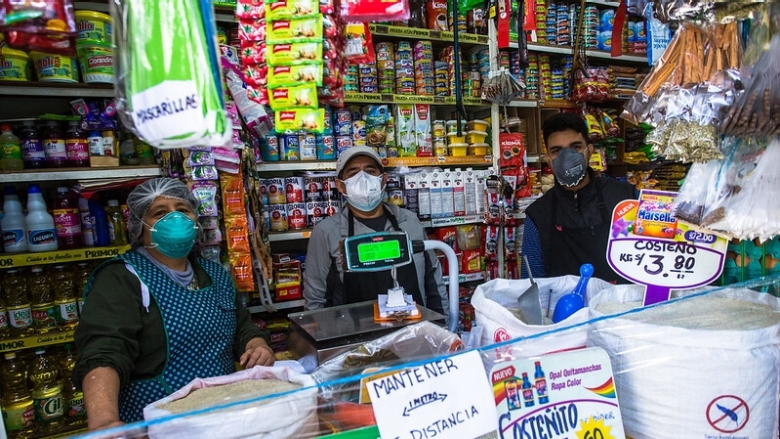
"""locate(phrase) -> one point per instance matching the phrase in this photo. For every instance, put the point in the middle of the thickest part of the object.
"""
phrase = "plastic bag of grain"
(497, 312)
(702, 365)
(292, 414)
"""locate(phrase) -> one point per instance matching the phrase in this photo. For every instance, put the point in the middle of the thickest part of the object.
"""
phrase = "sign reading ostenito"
(431, 400)
(648, 246)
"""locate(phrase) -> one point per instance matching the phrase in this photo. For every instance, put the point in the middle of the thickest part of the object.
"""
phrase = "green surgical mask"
(174, 234)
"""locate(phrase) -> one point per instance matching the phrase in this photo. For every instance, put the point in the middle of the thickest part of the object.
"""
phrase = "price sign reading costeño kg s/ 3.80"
(648, 246)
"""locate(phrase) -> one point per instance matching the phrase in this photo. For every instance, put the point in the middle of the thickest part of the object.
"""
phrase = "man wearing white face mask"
(361, 179)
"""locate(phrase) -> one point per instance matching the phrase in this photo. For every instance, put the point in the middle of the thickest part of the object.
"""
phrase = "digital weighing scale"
(324, 333)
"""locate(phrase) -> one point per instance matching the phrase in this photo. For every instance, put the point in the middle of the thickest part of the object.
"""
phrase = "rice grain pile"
(237, 391)
(703, 312)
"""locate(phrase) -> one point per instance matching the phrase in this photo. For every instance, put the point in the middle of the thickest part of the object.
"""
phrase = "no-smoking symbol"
(728, 413)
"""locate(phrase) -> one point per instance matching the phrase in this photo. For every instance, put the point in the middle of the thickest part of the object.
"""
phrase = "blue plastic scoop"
(572, 302)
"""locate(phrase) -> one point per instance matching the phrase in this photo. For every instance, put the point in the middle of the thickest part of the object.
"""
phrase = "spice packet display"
(237, 231)
(241, 270)
(296, 96)
(232, 195)
(288, 9)
(289, 76)
(294, 54)
(206, 194)
(689, 90)
(295, 30)
(310, 119)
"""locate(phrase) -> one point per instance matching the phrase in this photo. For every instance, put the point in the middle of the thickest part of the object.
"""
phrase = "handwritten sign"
(446, 399)
(557, 396)
(648, 246)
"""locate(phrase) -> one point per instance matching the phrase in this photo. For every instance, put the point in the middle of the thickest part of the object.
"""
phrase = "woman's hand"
(257, 353)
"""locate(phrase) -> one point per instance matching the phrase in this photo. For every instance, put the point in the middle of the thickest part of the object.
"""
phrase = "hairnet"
(142, 197)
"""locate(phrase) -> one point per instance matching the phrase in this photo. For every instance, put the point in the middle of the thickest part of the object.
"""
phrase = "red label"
(282, 48)
(67, 222)
(281, 25)
(502, 374)
(100, 61)
(287, 115)
(282, 69)
(280, 93)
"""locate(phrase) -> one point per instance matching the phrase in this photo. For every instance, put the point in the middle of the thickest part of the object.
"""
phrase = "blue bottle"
(540, 382)
(528, 391)
(100, 228)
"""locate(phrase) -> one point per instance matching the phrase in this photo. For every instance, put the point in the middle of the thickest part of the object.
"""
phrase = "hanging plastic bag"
(41, 26)
(689, 202)
(168, 76)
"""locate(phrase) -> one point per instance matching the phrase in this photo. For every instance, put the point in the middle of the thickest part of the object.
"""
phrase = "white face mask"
(364, 191)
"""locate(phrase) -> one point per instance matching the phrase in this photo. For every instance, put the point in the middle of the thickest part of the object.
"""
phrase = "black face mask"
(569, 167)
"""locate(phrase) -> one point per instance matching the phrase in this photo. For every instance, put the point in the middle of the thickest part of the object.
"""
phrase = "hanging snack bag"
(288, 9)
(296, 30)
(297, 96)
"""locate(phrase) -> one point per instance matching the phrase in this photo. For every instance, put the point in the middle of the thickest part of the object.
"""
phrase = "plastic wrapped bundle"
(168, 79)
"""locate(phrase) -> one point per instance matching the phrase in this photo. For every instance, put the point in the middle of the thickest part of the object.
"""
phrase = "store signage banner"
(447, 399)
(648, 246)
(558, 396)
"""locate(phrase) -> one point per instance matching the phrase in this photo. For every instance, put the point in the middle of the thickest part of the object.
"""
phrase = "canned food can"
(313, 187)
(439, 128)
(293, 187)
(296, 216)
(440, 146)
(276, 193)
(278, 214)
(262, 189)
(315, 212)
(369, 89)
(329, 190)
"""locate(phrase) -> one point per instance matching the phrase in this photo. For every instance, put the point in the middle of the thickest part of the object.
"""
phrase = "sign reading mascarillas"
(446, 399)
(570, 395)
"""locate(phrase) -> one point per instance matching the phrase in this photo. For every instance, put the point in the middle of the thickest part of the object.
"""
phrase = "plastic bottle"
(76, 146)
(17, 302)
(540, 382)
(42, 301)
(14, 223)
(65, 304)
(81, 277)
(127, 153)
(73, 398)
(54, 146)
(67, 219)
(17, 403)
(144, 151)
(109, 143)
(117, 230)
(10, 150)
(87, 223)
(102, 238)
(33, 154)
(44, 372)
(95, 141)
(41, 233)
(528, 391)
(4, 330)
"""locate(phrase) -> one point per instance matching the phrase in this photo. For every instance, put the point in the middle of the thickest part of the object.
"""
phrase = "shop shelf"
(291, 235)
(297, 166)
(523, 103)
(546, 48)
(12, 260)
(43, 175)
(471, 277)
(35, 341)
(55, 90)
(376, 98)
(469, 160)
(453, 221)
(607, 55)
(277, 305)
(604, 3)
(426, 34)
(557, 103)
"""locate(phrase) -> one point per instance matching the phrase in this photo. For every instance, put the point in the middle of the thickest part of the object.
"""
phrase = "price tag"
(447, 399)
(648, 246)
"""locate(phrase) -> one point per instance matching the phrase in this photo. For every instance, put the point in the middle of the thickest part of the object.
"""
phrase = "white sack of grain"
(703, 365)
(496, 309)
(288, 416)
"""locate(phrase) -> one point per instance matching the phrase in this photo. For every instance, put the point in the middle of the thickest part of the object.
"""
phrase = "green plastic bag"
(169, 84)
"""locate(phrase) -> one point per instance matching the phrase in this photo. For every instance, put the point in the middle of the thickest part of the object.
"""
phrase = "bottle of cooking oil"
(17, 403)
(44, 372)
(81, 277)
(4, 330)
(73, 398)
(17, 302)
(42, 301)
(65, 305)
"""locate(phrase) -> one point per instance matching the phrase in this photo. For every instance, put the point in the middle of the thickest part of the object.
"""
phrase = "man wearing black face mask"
(361, 179)
(569, 226)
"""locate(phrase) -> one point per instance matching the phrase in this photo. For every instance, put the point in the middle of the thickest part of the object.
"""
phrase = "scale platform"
(324, 333)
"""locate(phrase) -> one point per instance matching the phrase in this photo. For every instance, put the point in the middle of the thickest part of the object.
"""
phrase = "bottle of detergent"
(41, 233)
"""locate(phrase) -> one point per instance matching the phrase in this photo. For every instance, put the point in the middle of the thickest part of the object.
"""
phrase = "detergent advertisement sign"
(568, 395)
(648, 246)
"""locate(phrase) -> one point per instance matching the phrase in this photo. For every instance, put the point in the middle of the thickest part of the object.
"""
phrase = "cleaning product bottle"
(33, 155)
(42, 301)
(41, 233)
(95, 141)
(14, 224)
(76, 146)
(67, 219)
(87, 223)
(65, 306)
(54, 146)
(44, 372)
(116, 224)
(10, 150)
(17, 403)
(102, 238)
(17, 302)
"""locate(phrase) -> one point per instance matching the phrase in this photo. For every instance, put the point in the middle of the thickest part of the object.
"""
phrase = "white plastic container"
(14, 225)
(41, 233)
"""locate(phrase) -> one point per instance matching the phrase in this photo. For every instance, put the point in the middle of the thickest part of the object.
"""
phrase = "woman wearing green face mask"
(156, 317)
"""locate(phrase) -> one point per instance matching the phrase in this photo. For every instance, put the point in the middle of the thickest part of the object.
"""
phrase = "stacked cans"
(545, 75)
(385, 59)
(423, 68)
(551, 22)
(352, 78)
(590, 27)
(483, 59)
(296, 207)
(404, 69)
(563, 25)
(439, 131)
(322, 198)
(541, 20)
(275, 201)
(369, 79)
(441, 78)
(532, 77)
